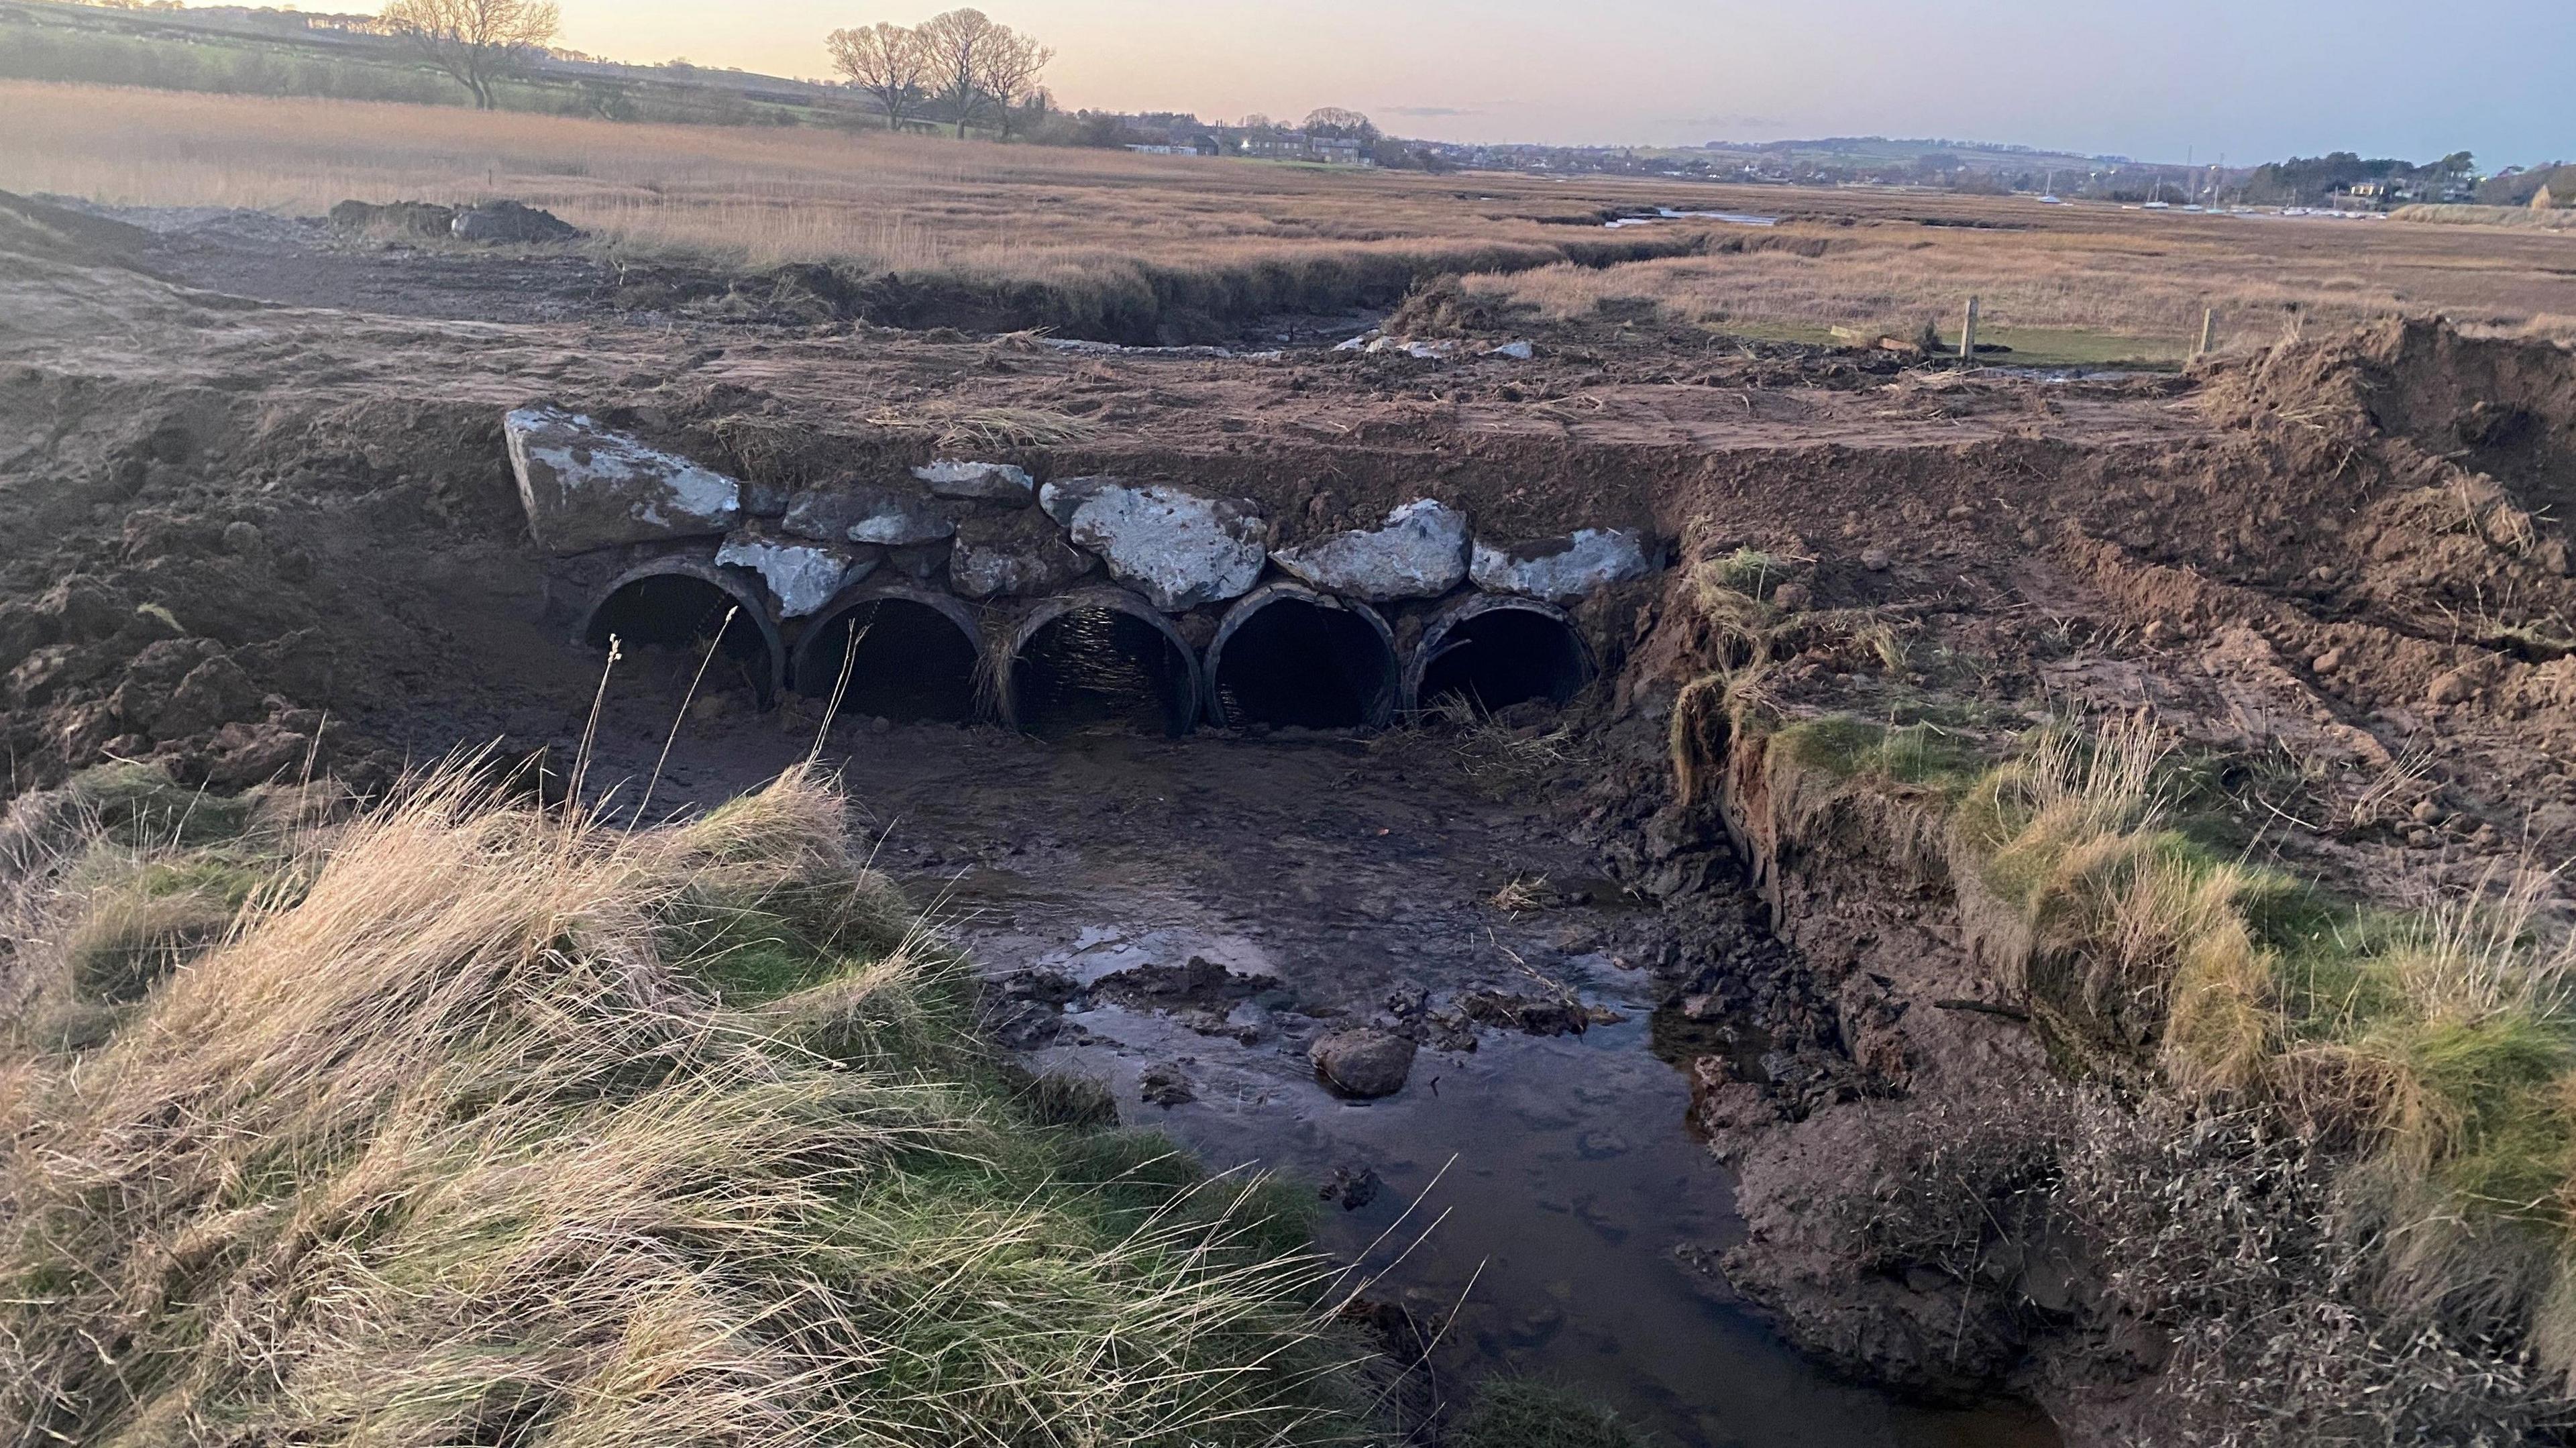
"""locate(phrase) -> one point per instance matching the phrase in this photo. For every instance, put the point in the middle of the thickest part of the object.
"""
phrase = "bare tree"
(1008, 72)
(959, 42)
(1338, 122)
(888, 61)
(475, 41)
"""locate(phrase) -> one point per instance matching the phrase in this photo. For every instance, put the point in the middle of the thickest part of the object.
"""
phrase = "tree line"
(962, 66)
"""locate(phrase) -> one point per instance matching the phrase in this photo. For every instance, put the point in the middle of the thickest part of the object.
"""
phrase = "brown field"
(1233, 238)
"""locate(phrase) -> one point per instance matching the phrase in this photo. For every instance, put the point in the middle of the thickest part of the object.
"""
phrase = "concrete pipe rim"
(858, 595)
(1243, 609)
(1113, 600)
(1448, 616)
(742, 588)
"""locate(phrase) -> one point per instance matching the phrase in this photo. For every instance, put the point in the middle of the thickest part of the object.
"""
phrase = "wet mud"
(1179, 918)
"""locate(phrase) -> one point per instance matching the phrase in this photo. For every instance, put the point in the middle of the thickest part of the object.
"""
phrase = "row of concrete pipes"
(1282, 655)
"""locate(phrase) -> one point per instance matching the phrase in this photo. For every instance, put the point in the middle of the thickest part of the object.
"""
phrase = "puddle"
(1565, 1190)
(1666, 213)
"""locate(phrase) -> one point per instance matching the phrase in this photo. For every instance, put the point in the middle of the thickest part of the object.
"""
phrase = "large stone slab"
(1020, 554)
(1178, 549)
(893, 517)
(981, 482)
(1561, 570)
(803, 575)
(1420, 551)
(586, 487)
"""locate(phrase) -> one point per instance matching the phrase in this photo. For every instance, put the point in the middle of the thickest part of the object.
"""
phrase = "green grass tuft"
(1525, 1413)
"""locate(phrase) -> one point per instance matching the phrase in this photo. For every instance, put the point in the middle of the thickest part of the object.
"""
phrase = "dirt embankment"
(2350, 607)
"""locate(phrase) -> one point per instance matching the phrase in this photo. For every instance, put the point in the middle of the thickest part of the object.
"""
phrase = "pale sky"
(2251, 79)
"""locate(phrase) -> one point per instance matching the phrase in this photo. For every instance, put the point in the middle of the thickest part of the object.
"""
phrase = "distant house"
(1163, 149)
(1299, 146)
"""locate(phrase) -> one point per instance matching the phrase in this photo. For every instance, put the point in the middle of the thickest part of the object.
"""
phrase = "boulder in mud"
(510, 221)
(1362, 1062)
(802, 574)
(979, 482)
(215, 693)
(1420, 551)
(586, 487)
(893, 517)
(1180, 550)
(1561, 570)
(1020, 554)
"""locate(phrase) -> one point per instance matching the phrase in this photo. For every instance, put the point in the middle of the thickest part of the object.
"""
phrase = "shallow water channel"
(1571, 1215)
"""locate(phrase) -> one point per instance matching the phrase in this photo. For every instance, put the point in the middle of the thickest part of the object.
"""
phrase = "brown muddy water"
(1573, 1218)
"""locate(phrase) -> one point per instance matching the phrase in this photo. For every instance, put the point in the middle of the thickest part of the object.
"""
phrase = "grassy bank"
(2368, 1113)
(461, 1122)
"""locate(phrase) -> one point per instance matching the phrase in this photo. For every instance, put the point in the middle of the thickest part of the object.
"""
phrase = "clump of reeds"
(478, 1124)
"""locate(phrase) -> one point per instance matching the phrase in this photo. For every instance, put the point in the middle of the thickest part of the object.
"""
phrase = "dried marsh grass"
(498, 1127)
(2127, 283)
(1112, 237)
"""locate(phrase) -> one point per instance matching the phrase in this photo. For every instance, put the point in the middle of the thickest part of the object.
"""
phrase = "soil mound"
(40, 228)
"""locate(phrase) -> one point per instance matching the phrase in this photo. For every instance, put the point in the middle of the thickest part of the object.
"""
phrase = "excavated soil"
(255, 519)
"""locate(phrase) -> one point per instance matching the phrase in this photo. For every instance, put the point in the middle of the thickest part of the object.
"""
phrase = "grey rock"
(1560, 570)
(1180, 550)
(920, 562)
(1020, 554)
(803, 575)
(1362, 1061)
(982, 482)
(498, 221)
(871, 513)
(585, 487)
(1163, 1085)
(1062, 496)
(1420, 551)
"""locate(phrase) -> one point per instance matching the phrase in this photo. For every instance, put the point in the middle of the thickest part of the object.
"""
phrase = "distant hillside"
(2518, 188)
(1880, 150)
(236, 50)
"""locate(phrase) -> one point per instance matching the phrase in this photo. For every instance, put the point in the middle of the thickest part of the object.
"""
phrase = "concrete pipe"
(680, 602)
(1098, 656)
(918, 656)
(1493, 650)
(1287, 655)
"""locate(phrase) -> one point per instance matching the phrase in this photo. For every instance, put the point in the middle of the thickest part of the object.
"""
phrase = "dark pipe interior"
(1096, 666)
(1294, 663)
(1504, 656)
(913, 663)
(678, 612)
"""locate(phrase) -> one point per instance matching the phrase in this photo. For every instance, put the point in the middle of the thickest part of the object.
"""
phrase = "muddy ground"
(256, 519)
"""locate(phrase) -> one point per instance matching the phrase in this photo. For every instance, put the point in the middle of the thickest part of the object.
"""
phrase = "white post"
(1968, 334)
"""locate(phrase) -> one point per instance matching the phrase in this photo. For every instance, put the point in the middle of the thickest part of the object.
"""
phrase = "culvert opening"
(680, 614)
(1288, 658)
(1092, 666)
(912, 662)
(1501, 655)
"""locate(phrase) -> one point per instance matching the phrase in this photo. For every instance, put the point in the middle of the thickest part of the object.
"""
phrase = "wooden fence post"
(1968, 334)
(2208, 331)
